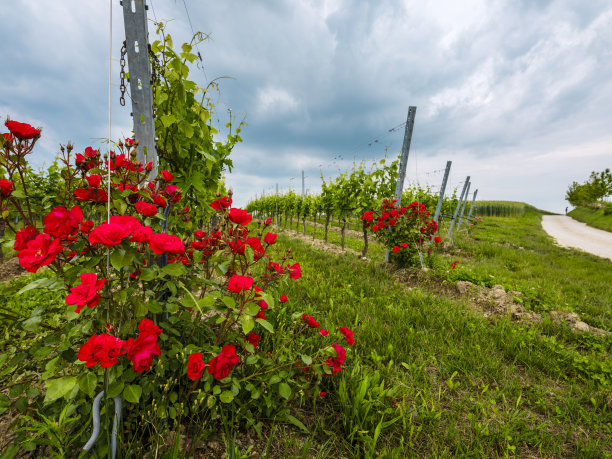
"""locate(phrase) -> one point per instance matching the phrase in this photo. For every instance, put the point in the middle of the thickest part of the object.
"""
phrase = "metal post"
(471, 207)
(441, 198)
(463, 207)
(399, 186)
(136, 35)
(465, 185)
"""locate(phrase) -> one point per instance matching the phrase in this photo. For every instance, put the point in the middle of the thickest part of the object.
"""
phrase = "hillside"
(597, 218)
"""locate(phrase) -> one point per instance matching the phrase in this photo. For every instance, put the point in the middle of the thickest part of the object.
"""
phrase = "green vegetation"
(597, 218)
(591, 192)
(500, 208)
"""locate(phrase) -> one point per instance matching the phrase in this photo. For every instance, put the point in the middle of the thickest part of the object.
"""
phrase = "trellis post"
(463, 207)
(471, 207)
(442, 189)
(137, 41)
(399, 186)
(465, 185)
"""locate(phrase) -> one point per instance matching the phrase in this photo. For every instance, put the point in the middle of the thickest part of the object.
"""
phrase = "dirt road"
(571, 233)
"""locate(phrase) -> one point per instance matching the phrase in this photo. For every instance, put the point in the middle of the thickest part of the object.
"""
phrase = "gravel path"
(571, 233)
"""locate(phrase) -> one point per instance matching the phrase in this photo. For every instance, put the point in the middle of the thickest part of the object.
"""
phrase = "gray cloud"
(319, 78)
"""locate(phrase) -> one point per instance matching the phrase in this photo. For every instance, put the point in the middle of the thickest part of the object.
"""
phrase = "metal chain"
(122, 87)
(155, 69)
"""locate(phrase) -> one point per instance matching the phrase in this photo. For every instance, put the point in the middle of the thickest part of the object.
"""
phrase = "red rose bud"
(129, 142)
(269, 221)
(283, 298)
(324, 332)
(168, 177)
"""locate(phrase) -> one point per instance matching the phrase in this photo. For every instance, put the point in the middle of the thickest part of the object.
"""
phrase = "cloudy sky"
(518, 94)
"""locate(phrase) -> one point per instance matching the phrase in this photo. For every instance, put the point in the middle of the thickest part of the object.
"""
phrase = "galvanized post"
(463, 207)
(442, 189)
(471, 207)
(399, 186)
(465, 185)
(136, 35)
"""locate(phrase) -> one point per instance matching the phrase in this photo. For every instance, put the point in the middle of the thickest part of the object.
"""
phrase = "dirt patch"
(320, 244)
(9, 269)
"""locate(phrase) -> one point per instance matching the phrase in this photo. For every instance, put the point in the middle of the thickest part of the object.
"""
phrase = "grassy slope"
(466, 385)
(592, 217)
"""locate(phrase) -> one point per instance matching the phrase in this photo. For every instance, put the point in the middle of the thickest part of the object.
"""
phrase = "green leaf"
(88, 383)
(5, 403)
(154, 307)
(39, 283)
(32, 323)
(265, 324)
(132, 393)
(247, 324)
(296, 422)
(285, 391)
(167, 120)
(57, 388)
(306, 359)
(115, 389)
(226, 396)
(147, 274)
(229, 302)
(174, 269)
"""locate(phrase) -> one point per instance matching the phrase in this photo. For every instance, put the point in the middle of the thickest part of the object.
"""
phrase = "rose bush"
(407, 232)
(193, 312)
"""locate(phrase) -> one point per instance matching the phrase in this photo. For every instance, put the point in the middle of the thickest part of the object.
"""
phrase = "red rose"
(87, 293)
(324, 332)
(221, 365)
(240, 216)
(146, 209)
(148, 327)
(168, 177)
(296, 271)
(270, 238)
(200, 234)
(312, 323)
(253, 339)
(61, 223)
(437, 240)
(6, 187)
(238, 283)
(131, 223)
(109, 234)
(39, 252)
(104, 349)
(166, 243)
(86, 226)
(94, 180)
(454, 265)
(22, 131)
(141, 352)
(8, 138)
(283, 298)
(142, 234)
(348, 335)
(337, 362)
(404, 245)
(222, 203)
(160, 201)
(195, 366)
(396, 249)
(23, 236)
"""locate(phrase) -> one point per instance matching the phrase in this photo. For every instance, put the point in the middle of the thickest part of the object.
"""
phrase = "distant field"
(593, 217)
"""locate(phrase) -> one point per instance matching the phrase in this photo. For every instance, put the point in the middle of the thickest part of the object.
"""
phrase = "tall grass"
(500, 208)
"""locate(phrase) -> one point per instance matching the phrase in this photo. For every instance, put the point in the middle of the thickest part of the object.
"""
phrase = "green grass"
(596, 218)
(464, 385)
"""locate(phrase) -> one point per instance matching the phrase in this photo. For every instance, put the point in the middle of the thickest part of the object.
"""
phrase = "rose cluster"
(106, 349)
